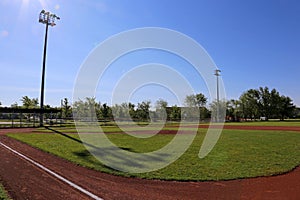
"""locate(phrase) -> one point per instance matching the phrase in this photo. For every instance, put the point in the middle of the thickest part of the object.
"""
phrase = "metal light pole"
(217, 74)
(48, 19)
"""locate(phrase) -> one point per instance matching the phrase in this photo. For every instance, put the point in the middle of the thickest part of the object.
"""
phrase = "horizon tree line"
(253, 104)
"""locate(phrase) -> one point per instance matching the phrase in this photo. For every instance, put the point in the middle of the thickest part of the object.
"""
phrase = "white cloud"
(4, 33)
(57, 7)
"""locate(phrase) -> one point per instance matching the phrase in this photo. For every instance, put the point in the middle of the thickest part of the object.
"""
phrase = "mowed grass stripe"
(238, 154)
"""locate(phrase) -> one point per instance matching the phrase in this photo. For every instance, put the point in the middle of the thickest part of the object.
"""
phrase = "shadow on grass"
(79, 141)
(65, 135)
(110, 152)
(93, 164)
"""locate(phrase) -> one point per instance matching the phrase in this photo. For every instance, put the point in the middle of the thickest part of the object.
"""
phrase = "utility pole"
(48, 19)
(217, 74)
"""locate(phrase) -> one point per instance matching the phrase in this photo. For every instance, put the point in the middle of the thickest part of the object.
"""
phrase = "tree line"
(261, 103)
(253, 104)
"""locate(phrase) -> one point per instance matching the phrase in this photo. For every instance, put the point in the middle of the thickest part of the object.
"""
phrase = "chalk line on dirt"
(93, 196)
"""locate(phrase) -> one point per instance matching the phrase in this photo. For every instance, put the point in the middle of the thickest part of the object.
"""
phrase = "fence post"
(20, 120)
(12, 119)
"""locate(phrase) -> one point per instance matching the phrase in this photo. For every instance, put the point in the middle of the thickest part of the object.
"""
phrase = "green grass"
(266, 123)
(110, 127)
(3, 194)
(238, 154)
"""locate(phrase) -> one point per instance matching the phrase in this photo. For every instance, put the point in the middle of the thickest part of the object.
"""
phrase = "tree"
(192, 102)
(105, 111)
(143, 111)
(66, 108)
(233, 111)
(204, 113)
(161, 106)
(29, 103)
(296, 112)
(274, 104)
(286, 107)
(78, 108)
(86, 109)
(218, 110)
(262, 102)
(175, 113)
(265, 101)
(197, 100)
(249, 104)
(132, 111)
(118, 111)
(14, 105)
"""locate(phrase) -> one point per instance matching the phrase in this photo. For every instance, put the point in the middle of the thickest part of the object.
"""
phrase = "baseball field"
(249, 156)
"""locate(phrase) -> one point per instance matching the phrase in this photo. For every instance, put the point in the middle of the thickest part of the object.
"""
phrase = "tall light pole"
(48, 19)
(217, 74)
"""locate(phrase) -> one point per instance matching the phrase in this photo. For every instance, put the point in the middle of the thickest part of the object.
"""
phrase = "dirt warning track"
(24, 180)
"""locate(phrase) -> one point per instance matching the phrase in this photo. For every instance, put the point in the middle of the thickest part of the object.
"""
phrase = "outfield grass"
(111, 127)
(238, 154)
(266, 123)
(3, 194)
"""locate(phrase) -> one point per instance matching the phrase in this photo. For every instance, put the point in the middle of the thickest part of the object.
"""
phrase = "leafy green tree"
(262, 102)
(118, 112)
(14, 105)
(274, 104)
(233, 111)
(66, 108)
(296, 112)
(197, 100)
(143, 111)
(125, 111)
(105, 111)
(287, 108)
(249, 104)
(161, 106)
(195, 103)
(265, 101)
(175, 113)
(29, 103)
(78, 108)
(218, 110)
(132, 111)
(204, 113)
(85, 109)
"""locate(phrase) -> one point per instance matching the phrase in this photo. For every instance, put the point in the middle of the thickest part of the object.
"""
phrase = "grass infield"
(238, 153)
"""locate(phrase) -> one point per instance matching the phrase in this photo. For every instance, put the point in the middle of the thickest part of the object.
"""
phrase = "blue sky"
(254, 43)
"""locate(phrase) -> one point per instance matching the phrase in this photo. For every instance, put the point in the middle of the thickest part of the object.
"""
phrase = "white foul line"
(53, 173)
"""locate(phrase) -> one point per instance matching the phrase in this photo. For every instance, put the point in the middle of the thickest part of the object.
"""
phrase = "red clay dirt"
(23, 180)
